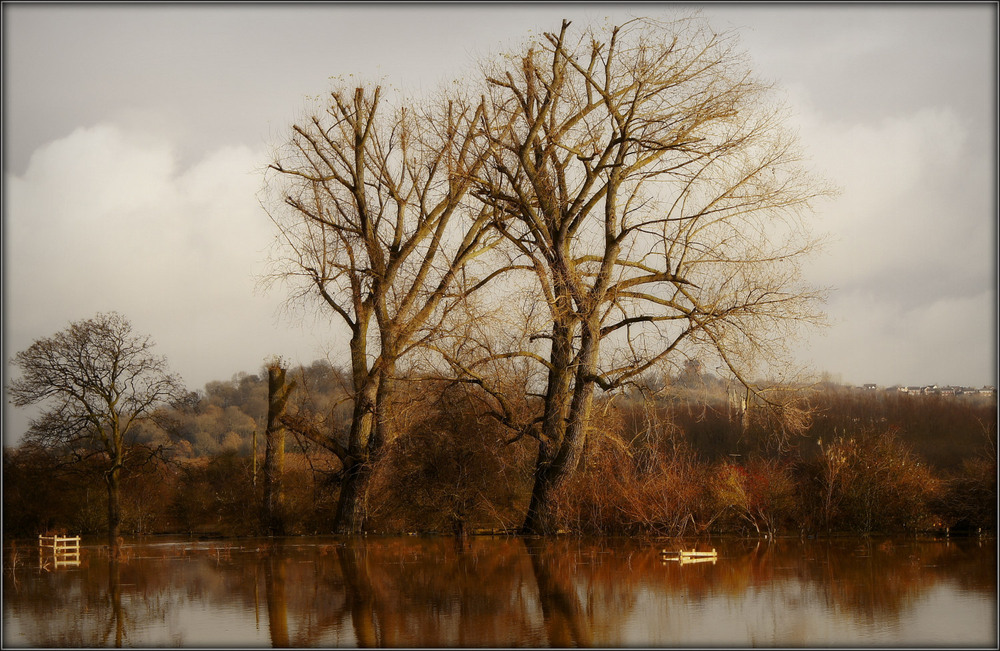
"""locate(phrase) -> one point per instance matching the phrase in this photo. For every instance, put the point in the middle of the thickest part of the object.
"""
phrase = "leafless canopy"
(638, 182)
(649, 179)
(98, 379)
(646, 176)
(374, 220)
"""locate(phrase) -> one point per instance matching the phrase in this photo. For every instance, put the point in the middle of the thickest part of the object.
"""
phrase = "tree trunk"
(350, 517)
(114, 512)
(384, 409)
(564, 434)
(350, 508)
(540, 518)
(583, 397)
(549, 477)
(274, 454)
(350, 505)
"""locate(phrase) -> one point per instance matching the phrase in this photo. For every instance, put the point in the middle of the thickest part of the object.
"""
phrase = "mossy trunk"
(274, 453)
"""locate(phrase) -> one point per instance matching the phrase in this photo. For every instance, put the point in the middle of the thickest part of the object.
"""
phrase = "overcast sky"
(134, 139)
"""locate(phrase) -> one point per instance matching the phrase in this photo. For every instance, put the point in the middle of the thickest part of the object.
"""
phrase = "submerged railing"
(60, 551)
(692, 556)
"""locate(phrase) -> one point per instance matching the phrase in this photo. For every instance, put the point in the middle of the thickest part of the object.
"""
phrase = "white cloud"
(106, 219)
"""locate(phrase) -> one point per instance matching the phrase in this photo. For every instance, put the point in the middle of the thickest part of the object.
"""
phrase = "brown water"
(502, 592)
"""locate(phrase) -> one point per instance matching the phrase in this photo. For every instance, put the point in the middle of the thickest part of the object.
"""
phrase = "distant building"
(928, 390)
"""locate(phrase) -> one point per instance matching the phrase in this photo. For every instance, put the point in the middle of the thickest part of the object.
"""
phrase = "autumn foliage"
(673, 464)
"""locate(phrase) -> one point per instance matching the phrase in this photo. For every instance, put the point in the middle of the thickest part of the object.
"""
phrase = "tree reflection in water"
(115, 597)
(277, 604)
(561, 608)
(408, 591)
(358, 590)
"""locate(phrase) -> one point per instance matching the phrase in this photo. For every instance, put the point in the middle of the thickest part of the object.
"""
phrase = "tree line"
(681, 461)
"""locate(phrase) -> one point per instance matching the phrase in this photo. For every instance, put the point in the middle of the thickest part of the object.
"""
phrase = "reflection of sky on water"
(195, 623)
(948, 615)
(510, 592)
(788, 613)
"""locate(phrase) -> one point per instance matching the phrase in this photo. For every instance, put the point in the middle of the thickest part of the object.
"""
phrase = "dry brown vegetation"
(663, 464)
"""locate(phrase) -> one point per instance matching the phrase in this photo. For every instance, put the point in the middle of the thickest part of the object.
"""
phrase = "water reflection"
(386, 592)
(115, 596)
(562, 611)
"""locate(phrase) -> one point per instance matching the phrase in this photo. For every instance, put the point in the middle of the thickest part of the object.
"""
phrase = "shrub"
(648, 480)
(873, 482)
(216, 496)
(449, 469)
(760, 495)
(970, 503)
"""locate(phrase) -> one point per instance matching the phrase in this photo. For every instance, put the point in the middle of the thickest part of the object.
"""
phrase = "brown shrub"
(970, 502)
(761, 495)
(873, 482)
(450, 469)
(649, 482)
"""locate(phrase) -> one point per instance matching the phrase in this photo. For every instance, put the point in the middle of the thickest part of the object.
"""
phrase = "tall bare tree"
(646, 177)
(374, 221)
(98, 380)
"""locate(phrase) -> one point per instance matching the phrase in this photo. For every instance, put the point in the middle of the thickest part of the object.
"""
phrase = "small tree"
(99, 380)
(873, 482)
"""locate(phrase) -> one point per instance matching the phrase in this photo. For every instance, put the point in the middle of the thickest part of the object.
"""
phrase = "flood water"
(503, 592)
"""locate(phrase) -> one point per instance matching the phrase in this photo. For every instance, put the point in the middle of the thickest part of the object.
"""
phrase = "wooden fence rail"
(61, 551)
(692, 556)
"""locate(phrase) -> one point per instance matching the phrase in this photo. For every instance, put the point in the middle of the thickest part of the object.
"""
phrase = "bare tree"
(374, 221)
(644, 174)
(98, 380)
(640, 176)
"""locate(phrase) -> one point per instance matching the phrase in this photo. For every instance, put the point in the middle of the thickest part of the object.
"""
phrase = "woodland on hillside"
(678, 459)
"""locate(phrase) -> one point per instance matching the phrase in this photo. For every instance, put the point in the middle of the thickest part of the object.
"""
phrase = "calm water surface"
(501, 592)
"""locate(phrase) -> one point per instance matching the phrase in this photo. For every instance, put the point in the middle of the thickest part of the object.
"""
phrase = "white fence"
(60, 551)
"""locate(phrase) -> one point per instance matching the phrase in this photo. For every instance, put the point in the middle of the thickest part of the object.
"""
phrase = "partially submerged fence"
(686, 557)
(61, 551)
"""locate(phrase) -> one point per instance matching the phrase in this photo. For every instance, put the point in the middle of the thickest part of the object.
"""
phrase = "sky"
(135, 136)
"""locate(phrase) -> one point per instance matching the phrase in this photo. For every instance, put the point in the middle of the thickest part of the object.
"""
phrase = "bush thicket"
(678, 463)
